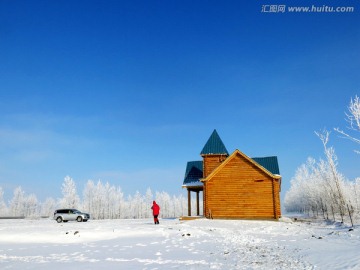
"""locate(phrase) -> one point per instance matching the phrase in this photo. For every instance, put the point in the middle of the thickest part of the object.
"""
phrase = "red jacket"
(155, 208)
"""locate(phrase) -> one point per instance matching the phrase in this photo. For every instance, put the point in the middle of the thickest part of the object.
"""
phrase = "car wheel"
(79, 219)
(59, 219)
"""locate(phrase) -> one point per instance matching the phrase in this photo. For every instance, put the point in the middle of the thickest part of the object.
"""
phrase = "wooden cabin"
(233, 186)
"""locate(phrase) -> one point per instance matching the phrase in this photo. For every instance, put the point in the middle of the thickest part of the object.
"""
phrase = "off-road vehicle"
(64, 215)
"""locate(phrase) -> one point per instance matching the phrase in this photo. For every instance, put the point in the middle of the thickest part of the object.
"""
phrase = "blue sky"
(129, 91)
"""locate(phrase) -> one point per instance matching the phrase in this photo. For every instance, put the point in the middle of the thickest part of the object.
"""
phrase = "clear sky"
(129, 91)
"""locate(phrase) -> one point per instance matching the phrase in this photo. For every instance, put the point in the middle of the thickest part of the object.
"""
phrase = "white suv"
(64, 215)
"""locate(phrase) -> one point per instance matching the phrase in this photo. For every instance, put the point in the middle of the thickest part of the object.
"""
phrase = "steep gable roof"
(238, 152)
(214, 145)
(193, 173)
(269, 163)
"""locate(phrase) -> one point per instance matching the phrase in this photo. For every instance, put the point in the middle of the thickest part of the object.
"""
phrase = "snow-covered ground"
(197, 244)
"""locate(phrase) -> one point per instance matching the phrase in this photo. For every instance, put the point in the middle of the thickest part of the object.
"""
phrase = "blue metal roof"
(194, 172)
(214, 145)
(269, 163)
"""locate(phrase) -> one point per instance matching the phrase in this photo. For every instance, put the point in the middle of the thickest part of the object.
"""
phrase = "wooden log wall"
(242, 190)
(211, 162)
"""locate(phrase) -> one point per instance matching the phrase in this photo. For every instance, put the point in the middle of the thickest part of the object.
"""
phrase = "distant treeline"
(101, 200)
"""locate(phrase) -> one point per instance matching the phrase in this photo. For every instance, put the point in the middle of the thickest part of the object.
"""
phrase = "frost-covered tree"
(129, 207)
(48, 207)
(162, 199)
(99, 201)
(299, 197)
(88, 196)
(310, 191)
(103, 201)
(3, 208)
(180, 205)
(353, 118)
(108, 202)
(355, 190)
(31, 206)
(148, 202)
(137, 205)
(319, 188)
(335, 178)
(16, 204)
(70, 198)
(119, 204)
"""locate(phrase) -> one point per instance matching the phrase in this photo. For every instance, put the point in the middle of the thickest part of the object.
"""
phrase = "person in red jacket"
(156, 210)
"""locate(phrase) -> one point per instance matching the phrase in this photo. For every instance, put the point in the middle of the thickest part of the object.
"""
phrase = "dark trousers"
(156, 220)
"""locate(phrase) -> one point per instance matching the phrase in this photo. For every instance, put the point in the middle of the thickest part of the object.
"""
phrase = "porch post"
(197, 203)
(189, 203)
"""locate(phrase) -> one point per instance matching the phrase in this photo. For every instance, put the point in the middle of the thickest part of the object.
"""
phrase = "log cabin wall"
(241, 190)
(211, 162)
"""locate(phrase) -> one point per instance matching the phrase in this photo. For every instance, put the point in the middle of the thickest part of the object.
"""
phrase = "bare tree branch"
(353, 118)
(347, 136)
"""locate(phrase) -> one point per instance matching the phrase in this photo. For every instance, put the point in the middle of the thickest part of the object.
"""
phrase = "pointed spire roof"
(214, 146)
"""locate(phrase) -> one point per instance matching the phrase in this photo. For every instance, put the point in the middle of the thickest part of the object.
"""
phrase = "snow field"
(197, 244)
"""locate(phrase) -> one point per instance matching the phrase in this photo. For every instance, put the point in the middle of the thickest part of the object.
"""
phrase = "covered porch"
(197, 190)
(192, 183)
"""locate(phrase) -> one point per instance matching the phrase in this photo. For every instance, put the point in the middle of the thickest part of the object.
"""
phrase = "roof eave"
(214, 154)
